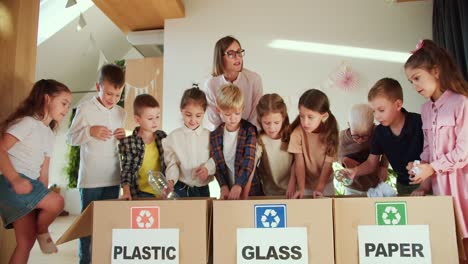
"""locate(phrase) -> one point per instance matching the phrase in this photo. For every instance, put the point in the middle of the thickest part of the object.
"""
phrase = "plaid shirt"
(132, 151)
(245, 157)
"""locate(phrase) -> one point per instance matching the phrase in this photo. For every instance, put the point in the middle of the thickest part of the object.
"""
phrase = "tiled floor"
(68, 252)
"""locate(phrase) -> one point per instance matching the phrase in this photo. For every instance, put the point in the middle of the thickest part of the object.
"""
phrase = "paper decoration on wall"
(344, 78)
(148, 89)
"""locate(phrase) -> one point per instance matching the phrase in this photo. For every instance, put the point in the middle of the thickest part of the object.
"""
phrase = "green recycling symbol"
(391, 213)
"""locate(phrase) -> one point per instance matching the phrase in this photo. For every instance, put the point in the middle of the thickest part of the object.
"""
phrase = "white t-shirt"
(248, 82)
(36, 141)
(184, 151)
(229, 152)
(99, 160)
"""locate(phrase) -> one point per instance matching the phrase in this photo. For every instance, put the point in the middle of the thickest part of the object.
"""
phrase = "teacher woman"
(228, 68)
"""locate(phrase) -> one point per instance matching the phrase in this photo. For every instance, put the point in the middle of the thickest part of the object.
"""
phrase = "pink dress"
(445, 126)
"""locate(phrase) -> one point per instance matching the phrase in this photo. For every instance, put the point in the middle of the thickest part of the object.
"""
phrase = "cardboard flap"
(83, 226)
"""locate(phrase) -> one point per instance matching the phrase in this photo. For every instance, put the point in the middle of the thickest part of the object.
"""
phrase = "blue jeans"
(89, 195)
(183, 190)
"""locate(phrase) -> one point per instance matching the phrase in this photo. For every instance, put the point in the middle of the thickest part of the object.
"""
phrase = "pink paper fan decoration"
(345, 79)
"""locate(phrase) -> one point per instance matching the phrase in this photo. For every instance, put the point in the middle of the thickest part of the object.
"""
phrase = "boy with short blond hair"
(233, 147)
(96, 128)
(142, 151)
(399, 136)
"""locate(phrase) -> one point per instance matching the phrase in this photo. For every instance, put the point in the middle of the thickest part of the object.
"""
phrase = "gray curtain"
(450, 29)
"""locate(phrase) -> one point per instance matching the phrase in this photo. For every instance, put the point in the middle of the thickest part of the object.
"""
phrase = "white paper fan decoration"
(344, 78)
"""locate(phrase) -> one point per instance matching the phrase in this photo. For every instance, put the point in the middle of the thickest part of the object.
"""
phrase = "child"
(399, 136)
(187, 149)
(25, 150)
(233, 147)
(354, 148)
(314, 143)
(444, 160)
(142, 151)
(96, 128)
(275, 165)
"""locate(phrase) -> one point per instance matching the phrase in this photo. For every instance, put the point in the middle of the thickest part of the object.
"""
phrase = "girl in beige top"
(314, 143)
(274, 169)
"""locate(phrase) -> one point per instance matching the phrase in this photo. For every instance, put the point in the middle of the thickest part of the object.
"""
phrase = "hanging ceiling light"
(81, 23)
(70, 3)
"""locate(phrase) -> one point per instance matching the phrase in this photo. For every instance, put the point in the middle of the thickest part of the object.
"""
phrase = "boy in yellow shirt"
(142, 151)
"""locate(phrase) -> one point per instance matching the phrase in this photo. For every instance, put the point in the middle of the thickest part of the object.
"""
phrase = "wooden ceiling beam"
(131, 15)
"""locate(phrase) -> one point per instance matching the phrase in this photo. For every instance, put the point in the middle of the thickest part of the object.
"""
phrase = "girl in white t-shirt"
(275, 165)
(26, 144)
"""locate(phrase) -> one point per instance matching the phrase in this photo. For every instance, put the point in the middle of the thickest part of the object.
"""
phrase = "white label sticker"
(145, 246)
(407, 244)
(272, 245)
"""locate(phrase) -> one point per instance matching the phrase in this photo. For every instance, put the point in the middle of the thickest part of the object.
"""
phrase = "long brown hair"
(34, 104)
(221, 47)
(273, 103)
(317, 101)
(429, 56)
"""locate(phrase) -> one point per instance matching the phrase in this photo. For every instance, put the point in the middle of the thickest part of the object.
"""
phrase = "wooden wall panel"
(18, 42)
(140, 74)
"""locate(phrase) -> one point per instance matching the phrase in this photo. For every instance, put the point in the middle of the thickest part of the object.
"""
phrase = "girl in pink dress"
(444, 160)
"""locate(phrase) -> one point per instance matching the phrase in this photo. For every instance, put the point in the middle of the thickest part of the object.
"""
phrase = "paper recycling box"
(395, 230)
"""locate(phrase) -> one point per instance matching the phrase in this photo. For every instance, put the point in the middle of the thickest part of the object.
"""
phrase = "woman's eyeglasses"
(232, 53)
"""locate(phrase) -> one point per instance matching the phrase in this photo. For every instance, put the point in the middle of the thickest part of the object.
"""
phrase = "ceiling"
(132, 15)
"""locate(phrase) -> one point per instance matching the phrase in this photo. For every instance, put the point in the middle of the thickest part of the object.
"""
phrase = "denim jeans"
(183, 190)
(89, 195)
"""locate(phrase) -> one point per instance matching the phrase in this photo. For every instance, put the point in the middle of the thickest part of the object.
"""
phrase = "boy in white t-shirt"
(97, 128)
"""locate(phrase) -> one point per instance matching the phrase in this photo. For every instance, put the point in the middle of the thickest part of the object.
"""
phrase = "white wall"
(373, 24)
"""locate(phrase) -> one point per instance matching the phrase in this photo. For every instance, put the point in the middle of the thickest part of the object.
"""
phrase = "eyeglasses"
(232, 53)
(357, 137)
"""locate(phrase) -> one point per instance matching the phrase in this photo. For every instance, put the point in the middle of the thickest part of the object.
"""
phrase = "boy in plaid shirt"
(142, 151)
(233, 147)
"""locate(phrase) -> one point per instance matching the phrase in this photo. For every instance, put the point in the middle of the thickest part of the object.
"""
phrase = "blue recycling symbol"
(270, 216)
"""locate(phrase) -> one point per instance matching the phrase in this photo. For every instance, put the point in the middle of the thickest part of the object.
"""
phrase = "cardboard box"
(435, 211)
(313, 214)
(191, 217)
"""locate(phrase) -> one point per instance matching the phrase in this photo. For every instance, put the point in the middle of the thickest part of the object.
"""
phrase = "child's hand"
(291, 191)
(119, 133)
(317, 194)
(201, 173)
(409, 168)
(383, 174)
(425, 171)
(100, 132)
(126, 196)
(351, 173)
(349, 163)
(224, 193)
(299, 194)
(235, 192)
(126, 193)
(21, 186)
(168, 189)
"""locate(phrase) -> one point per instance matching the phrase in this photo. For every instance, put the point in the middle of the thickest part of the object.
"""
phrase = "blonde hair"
(230, 97)
(361, 118)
